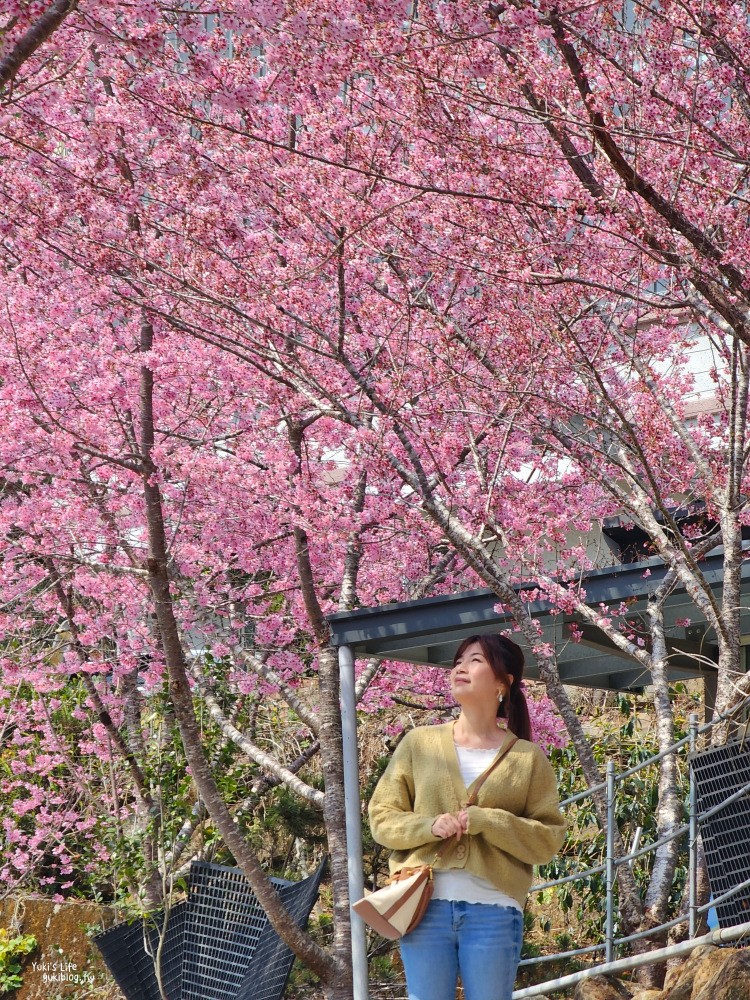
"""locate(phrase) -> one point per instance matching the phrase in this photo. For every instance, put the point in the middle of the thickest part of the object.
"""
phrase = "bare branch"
(311, 795)
(366, 677)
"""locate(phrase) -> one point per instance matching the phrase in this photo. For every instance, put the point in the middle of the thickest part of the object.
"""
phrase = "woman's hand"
(448, 825)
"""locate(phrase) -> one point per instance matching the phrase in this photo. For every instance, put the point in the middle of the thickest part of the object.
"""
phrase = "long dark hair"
(505, 657)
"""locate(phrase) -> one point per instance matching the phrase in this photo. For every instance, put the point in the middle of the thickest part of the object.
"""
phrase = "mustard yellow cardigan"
(516, 823)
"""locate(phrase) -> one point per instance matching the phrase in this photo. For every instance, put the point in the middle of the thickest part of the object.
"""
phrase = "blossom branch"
(35, 36)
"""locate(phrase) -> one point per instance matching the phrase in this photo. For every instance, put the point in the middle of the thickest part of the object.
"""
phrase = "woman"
(474, 922)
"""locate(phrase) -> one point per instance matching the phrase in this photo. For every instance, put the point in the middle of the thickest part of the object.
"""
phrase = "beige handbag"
(398, 907)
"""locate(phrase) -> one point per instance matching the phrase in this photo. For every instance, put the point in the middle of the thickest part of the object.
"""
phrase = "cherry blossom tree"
(459, 255)
(210, 565)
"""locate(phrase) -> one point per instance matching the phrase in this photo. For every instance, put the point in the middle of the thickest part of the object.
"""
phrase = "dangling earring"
(500, 697)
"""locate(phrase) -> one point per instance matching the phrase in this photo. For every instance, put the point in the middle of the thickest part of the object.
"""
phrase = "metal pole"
(693, 835)
(610, 863)
(353, 811)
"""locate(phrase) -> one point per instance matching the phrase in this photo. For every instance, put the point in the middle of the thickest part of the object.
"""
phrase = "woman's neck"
(478, 730)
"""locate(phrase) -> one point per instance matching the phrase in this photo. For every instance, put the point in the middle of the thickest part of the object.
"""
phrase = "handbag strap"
(510, 739)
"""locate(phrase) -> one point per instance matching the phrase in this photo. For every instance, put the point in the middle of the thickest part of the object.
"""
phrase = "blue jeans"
(482, 943)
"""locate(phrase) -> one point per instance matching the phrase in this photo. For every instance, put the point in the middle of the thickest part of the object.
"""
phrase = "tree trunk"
(315, 957)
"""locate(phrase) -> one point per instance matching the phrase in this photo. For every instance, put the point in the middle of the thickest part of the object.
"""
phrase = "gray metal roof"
(428, 631)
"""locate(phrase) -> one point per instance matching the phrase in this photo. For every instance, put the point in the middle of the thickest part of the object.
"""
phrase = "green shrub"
(12, 951)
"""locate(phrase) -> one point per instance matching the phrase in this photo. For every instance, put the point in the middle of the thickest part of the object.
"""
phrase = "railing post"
(610, 863)
(693, 835)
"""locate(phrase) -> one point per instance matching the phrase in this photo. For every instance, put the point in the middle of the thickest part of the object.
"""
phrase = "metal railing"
(610, 944)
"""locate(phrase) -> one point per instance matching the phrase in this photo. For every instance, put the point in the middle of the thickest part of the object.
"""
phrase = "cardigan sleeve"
(537, 835)
(393, 822)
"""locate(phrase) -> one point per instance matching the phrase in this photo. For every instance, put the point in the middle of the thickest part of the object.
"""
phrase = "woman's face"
(472, 677)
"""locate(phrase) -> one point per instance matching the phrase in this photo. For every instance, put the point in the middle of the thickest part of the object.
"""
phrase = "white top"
(457, 883)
